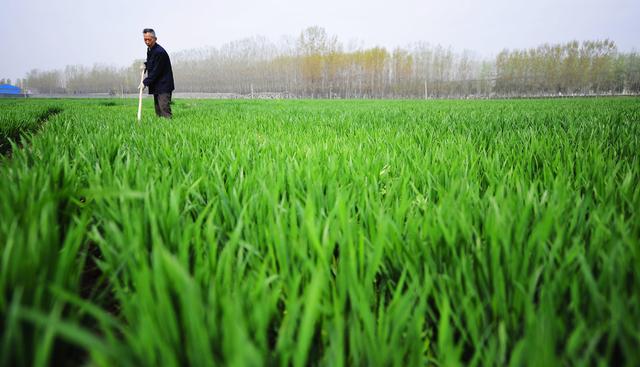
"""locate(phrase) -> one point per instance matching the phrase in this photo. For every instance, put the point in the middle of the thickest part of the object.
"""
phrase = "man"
(159, 78)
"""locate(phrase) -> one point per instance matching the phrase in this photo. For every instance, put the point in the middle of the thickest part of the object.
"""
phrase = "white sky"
(47, 34)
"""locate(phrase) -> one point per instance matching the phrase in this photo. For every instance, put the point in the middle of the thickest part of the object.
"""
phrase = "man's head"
(149, 37)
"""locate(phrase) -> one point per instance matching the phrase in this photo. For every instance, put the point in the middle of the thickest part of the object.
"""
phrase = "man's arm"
(158, 69)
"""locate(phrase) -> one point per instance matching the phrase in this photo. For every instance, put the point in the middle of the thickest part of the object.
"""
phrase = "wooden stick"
(140, 97)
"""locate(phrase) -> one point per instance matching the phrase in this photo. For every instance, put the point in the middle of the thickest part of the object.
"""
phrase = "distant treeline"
(316, 65)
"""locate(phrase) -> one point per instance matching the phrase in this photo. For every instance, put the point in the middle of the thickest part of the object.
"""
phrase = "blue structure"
(7, 90)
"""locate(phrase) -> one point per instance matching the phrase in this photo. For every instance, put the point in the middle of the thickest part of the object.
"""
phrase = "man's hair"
(149, 30)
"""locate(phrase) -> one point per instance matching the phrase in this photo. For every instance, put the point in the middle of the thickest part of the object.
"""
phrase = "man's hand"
(141, 86)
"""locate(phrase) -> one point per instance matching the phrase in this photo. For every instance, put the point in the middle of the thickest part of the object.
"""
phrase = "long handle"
(140, 97)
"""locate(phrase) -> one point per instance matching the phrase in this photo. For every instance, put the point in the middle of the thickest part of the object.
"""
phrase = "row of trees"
(317, 65)
(571, 68)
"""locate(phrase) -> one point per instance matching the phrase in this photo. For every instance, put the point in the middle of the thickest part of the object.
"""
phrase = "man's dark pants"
(162, 103)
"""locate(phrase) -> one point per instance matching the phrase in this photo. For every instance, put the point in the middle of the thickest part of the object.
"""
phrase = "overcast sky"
(47, 34)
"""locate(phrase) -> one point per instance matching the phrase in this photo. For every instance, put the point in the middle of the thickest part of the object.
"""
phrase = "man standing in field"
(159, 74)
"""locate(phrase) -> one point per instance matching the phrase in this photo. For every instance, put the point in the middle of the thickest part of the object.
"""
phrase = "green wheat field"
(329, 233)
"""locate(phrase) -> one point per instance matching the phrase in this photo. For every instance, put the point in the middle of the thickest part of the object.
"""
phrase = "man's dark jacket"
(159, 74)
